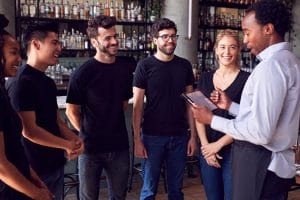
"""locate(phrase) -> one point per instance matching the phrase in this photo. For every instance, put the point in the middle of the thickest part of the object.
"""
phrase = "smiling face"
(49, 49)
(227, 51)
(166, 41)
(11, 54)
(106, 41)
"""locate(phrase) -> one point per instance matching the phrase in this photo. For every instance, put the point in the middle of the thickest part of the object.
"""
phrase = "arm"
(138, 102)
(211, 160)
(73, 114)
(11, 176)
(258, 121)
(192, 141)
(40, 136)
(68, 134)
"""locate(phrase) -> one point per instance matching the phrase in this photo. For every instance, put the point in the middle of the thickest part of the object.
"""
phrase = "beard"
(167, 50)
(108, 51)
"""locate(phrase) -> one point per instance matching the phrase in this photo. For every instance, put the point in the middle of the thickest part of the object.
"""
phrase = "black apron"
(249, 168)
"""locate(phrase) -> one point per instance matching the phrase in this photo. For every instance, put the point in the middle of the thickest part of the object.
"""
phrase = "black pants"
(276, 188)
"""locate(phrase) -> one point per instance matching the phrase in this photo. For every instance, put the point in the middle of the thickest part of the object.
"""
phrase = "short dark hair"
(274, 12)
(38, 31)
(3, 23)
(163, 23)
(99, 21)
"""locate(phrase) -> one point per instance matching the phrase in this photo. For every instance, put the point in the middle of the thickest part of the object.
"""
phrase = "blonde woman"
(215, 161)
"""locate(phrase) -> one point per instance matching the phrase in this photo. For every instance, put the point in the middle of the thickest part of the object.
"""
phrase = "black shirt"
(11, 126)
(32, 90)
(165, 111)
(233, 91)
(100, 90)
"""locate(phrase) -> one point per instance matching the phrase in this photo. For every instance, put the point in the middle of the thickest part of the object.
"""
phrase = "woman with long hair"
(17, 180)
(215, 161)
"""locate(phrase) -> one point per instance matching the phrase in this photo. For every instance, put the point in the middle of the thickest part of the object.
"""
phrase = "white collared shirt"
(269, 111)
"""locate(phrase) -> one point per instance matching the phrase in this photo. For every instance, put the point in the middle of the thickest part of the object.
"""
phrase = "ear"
(36, 44)
(94, 42)
(269, 29)
(154, 39)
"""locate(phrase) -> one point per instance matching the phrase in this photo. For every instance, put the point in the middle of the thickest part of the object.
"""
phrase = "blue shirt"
(270, 107)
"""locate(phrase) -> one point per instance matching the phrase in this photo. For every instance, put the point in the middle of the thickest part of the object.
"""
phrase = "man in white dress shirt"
(267, 119)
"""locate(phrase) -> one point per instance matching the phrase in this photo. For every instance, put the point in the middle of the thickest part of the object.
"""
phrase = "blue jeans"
(169, 149)
(116, 166)
(55, 182)
(217, 181)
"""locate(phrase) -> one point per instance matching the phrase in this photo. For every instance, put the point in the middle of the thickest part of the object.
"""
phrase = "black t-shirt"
(100, 90)
(32, 90)
(11, 126)
(165, 111)
(234, 92)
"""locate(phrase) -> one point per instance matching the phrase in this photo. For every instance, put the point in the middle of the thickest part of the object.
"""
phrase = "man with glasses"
(97, 97)
(164, 137)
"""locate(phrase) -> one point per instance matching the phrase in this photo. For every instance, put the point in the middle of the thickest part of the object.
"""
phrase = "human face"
(227, 51)
(107, 42)
(49, 49)
(166, 47)
(11, 53)
(255, 36)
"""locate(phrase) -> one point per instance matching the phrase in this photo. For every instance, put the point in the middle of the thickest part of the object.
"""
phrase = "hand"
(139, 149)
(202, 114)
(211, 149)
(221, 100)
(213, 161)
(74, 148)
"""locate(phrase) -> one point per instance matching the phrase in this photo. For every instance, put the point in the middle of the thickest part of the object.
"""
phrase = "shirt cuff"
(234, 109)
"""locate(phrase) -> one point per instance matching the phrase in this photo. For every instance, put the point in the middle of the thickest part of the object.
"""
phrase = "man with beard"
(164, 137)
(98, 94)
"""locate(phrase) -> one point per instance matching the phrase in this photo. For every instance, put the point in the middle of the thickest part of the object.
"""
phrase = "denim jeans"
(171, 150)
(116, 166)
(55, 182)
(217, 181)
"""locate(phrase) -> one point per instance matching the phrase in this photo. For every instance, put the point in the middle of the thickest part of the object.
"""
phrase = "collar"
(269, 51)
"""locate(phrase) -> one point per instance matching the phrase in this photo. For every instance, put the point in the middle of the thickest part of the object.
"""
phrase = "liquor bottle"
(75, 10)
(42, 8)
(67, 10)
(111, 9)
(87, 10)
(122, 12)
(24, 9)
(32, 9)
(52, 9)
(57, 10)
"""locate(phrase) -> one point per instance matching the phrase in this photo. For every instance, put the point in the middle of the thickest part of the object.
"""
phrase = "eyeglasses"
(166, 37)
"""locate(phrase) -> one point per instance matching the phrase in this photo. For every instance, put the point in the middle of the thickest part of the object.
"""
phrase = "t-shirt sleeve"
(76, 91)
(23, 96)
(139, 79)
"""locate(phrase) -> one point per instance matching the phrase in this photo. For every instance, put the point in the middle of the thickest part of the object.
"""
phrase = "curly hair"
(274, 12)
(97, 22)
(3, 23)
(163, 23)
